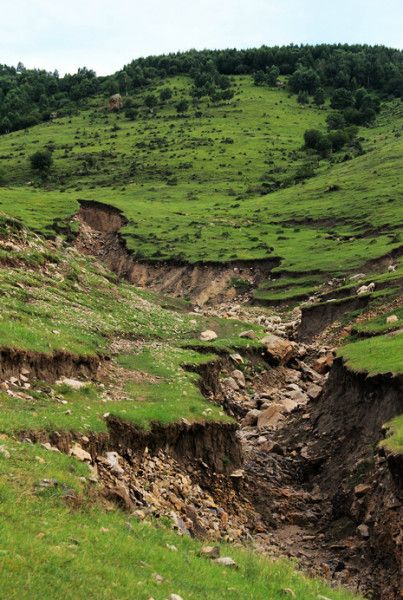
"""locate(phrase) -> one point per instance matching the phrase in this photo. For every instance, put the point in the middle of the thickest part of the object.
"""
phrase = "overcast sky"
(105, 34)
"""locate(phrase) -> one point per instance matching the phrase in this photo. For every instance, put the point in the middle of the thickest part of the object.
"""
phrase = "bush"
(165, 94)
(335, 121)
(312, 138)
(182, 106)
(303, 98)
(41, 161)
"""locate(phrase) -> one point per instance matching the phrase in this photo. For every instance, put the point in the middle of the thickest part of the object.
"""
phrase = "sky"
(104, 35)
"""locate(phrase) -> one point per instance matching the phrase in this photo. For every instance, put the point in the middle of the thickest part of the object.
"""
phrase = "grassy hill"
(224, 181)
(221, 185)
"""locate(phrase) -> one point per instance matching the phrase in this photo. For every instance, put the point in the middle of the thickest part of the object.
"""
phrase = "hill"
(187, 339)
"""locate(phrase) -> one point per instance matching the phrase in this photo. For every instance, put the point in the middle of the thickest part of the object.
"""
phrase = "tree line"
(30, 96)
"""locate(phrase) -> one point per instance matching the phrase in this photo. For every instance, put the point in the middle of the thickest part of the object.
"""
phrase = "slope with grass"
(221, 184)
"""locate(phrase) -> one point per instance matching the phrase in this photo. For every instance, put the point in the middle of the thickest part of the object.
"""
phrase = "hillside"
(190, 356)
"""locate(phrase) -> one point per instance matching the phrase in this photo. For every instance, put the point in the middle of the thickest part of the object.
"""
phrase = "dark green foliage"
(304, 79)
(41, 161)
(131, 114)
(151, 101)
(303, 97)
(312, 138)
(165, 94)
(319, 97)
(335, 120)
(182, 106)
(341, 98)
(29, 96)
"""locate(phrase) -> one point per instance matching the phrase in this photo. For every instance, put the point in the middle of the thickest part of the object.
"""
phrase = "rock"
(120, 496)
(313, 391)
(320, 597)
(115, 102)
(271, 416)
(238, 474)
(361, 489)
(298, 396)
(278, 349)
(80, 453)
(251, 417)
(239, 377)
(74, 384)
(158, 578)
(237, 358)
(210, 551)
(4, 452)
(363, 531)
(249, 334)
(112, 459)
(208, 335)
(174, 597)
(289, 404)
(226, 561)
(322, 365)
(230, 383)
(392, 319)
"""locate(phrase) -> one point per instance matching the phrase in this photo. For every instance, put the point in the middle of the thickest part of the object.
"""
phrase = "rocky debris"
(278, 350)
(208, 335)
(363, 531)
(156, 485)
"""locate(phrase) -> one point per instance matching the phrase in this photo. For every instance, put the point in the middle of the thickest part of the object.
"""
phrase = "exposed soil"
(202, 283)
(315, 317)
(47, 367)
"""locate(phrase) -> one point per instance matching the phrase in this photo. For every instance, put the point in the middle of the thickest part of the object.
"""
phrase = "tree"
(151, 101)
(303, 97)
(335, 120)
(165, 94)
(304, 80)
(272, 75)
(312, 138)
(41, 161)
(182, 106)
(341, 98)
(319, 97)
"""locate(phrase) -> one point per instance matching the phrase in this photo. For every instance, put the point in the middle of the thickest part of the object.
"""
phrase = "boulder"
(208, 335)
(251, 417)
(115, 102)
(279, 350)
(271, 416)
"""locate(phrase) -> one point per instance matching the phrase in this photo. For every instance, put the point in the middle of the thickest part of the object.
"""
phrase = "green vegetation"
(380, 354)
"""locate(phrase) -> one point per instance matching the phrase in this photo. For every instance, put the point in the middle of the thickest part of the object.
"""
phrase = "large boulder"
(115, 102)
(279, 350)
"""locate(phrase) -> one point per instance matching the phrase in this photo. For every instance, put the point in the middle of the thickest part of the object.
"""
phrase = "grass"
(94, 553)
(216, 210)
(379, 354)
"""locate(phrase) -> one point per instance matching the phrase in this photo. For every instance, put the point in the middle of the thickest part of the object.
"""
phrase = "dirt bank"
(203, 283)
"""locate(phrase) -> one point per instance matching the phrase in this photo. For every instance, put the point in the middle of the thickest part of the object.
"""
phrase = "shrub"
(41, 161)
